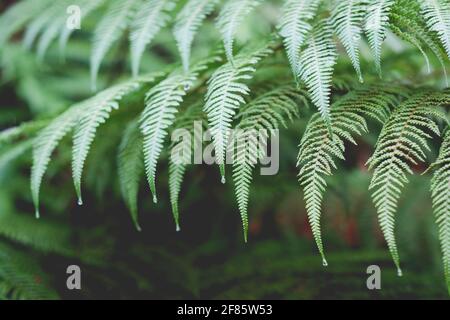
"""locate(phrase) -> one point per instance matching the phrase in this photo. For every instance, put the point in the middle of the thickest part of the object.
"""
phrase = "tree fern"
(95, 113)
(376, 25)
(263, 114)
(316, 68)
(187, 24)
(294, 27)
(403, 141)
(437, 16)
(230, 18)
(152, 15)
(226, 89)
(319, 150)
(348, 17)
(130, 168)
(110, 28)
(440, 192)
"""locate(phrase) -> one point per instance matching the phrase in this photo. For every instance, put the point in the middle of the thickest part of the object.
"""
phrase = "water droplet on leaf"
(80, 202)
(155, 199)
(324, 262)
(223, 180)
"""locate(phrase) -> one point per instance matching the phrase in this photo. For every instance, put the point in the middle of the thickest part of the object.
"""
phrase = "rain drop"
(178, 229)
(37, 214)
(80, 202)
(223, 180)
(187, 87)
(155, 199)
(399, 272)
(324, 262)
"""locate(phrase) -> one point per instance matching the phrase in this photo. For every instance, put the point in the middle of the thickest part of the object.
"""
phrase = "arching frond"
(294, 27)
(348, 16)
(187, 24)
(130, 166)
(161, 105)
(193, 120)
(410, 26)
(46, 142)
(437, 16)
(87, 7)
(377, 23)
(226, 91)
(152, 15)
(230, 18)
(316, 68)
(110, 28)
(402, 143)
(265, 113)
(440, 193)
(319, 150)
(95, 113)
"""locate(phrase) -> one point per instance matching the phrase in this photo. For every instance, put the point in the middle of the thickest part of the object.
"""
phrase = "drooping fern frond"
(347, 20)
(376, 25)
(437, 16)
(265, 113)
(96, 112)
(316, 68)
(110, 28)
(17, 16)
(86, 7)
(402, 143)
(229, 20)
(130, 166)
(44, 145)
(161, 106)
(226, 91)
(187, 24)
(440, 193)
(152, 15)
(294, 27)
(193, 120)
(319, 150)
(410, 26)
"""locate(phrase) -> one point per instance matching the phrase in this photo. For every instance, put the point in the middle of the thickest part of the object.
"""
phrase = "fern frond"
(377, 23)
(96, 112)
(347, 20)
(319, 150)
(226, 91)
(188, 22)
(440, 193)
(316, 68)
(161, 105)
(193, 114)
(295, 26)
(230, 18)
(437, 16)
(265, 113)
(402, 143)
(152, 15)
(44, 145)
(17, 16)
(110, 28)
(130, 166)
(87, 7)
(410, 26)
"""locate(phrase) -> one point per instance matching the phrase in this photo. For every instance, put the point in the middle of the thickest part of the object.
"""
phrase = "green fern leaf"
(229, 20)
(319, 150)
(316, 68)
(188, 22)
(440, 192)
(437, 16)
(44, 144)
(348, 17)
(226, 89)
(403, 141)
(151, 16)
(377, 22)
(265, 113)
(96, 112)
(131, 167)
(295, 26)
(110, 28)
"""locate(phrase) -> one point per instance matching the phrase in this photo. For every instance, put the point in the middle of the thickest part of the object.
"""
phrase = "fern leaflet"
(437, 16)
